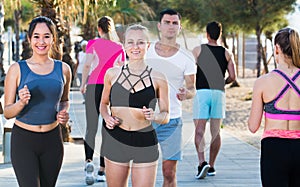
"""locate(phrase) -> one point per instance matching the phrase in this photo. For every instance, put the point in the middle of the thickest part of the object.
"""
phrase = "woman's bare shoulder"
(113, 72)
(266, 81)
(14, 68)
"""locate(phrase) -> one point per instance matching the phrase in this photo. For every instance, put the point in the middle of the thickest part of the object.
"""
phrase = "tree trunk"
(264, 57)
(234, 83)
(2, 72)
(258, 35)
(89, 28)
(224, 41)
(184, 38)
(27, 51)
(17, 16)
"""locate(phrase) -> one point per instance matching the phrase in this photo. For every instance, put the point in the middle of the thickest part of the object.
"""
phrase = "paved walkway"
(237, 164)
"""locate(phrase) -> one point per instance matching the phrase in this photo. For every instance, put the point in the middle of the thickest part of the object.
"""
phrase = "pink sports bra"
(271, 109)
(107, 52)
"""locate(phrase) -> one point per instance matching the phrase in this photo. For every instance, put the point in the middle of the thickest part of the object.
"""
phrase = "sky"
(294, 18)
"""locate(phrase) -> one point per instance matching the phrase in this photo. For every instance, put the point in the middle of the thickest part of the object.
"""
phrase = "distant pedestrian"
(101, 54)
(277, 95)
(80, 63)
(213, 61)
(37, 95)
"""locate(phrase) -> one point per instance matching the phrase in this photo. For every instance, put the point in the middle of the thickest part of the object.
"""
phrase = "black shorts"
(140, 146)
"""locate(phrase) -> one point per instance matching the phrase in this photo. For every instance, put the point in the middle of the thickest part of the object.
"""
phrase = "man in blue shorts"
(213, 61)
(178, 65)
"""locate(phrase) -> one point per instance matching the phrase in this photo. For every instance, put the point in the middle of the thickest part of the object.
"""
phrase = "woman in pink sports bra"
(101, 54)
(277, 95)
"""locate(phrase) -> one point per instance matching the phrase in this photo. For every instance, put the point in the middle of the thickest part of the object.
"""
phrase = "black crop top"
(129, 97)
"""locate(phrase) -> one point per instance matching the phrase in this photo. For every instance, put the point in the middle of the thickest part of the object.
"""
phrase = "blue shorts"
(170, 138)
(209, 104)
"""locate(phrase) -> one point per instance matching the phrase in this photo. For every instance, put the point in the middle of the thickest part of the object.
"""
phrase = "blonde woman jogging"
(130, 95)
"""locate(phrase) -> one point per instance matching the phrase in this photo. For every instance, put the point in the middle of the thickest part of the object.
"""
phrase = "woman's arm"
(63, 115)
(162, 90)
(68, 78)
(105, 112)
(85, 70)
(12, 107)
(256, 112)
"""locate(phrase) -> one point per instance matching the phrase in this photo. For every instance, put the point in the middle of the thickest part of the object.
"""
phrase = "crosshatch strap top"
(131, 90)
(271, 109)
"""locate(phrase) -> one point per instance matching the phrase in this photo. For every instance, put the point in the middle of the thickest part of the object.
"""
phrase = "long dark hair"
(289, 42)
(107, 25)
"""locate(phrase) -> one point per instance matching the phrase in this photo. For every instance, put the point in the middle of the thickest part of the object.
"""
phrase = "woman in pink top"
(101, 54)
(277, 94)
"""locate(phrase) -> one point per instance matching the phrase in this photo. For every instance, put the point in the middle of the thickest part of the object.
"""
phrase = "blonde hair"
(136, 27)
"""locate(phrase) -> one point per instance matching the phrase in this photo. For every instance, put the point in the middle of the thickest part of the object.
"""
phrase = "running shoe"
(202, 170)
(211, 171)
(89, 173)
(101, 176)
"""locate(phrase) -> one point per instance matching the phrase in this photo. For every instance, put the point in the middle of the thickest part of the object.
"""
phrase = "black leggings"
(36, 157)
(280, 162)
(92, 103)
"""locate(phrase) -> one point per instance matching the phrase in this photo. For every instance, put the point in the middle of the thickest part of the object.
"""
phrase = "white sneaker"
(89, 173)
(101, 176)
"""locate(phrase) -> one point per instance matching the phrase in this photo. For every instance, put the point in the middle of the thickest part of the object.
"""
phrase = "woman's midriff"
(133, 119)
(279, 133)
(282, 124)
(282, 129)
(37, 128)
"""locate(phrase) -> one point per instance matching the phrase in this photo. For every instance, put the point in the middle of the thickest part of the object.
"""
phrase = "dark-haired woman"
(101, 53)
(277, 95)
(37, 95)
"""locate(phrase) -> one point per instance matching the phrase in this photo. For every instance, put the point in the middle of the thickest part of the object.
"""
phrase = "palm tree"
(85, 13)
(131, 11)
(2, 72)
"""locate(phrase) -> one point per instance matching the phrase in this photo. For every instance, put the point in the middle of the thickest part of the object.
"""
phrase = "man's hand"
(181, 95)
